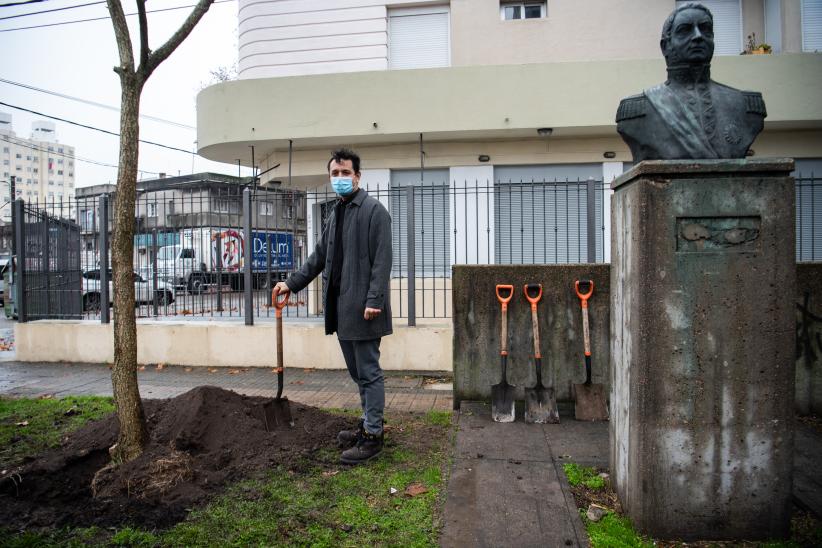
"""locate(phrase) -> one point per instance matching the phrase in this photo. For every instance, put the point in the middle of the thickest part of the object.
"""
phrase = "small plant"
(583, 475)
(753, 47)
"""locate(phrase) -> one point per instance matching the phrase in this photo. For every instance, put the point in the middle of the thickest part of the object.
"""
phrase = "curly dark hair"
(344, 154)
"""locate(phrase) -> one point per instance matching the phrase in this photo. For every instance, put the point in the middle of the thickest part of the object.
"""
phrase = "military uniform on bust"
(690, 116)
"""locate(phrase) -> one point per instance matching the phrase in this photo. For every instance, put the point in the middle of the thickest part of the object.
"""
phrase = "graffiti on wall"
(808, 333)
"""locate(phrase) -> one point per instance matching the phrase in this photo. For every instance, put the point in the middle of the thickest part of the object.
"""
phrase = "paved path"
(507, 486)
(319, 388)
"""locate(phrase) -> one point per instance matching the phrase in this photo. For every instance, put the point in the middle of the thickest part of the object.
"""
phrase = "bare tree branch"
(144, 51)
(118, 20)
(160, 55)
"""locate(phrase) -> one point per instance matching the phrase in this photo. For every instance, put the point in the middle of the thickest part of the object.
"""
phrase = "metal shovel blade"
(590, 402)
(541, 406)
(275, 414)
(502, 402)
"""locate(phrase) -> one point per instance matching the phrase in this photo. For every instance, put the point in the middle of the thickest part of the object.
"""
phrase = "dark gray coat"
(366, 269)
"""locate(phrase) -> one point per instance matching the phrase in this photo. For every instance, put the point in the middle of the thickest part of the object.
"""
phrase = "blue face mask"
(342, 185)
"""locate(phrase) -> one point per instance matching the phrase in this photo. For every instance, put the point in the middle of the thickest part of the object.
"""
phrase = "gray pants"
(363, 361)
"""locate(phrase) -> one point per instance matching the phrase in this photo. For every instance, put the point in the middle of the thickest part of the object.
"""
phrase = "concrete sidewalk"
(318, 388)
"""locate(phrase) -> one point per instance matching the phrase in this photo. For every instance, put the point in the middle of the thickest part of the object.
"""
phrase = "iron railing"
(191, 249)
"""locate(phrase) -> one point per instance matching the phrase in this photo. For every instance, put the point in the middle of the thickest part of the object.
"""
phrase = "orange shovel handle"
(584, 296)
(279, 301)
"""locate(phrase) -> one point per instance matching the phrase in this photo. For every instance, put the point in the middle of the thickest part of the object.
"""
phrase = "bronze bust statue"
(690, 116)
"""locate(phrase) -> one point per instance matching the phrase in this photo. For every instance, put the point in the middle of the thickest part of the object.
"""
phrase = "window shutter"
(418, 39)
(811, 25)
(432, 244)
(727, 25)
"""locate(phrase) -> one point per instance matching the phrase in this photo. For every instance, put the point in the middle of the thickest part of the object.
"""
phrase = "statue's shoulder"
(754, 103)
(634, 106)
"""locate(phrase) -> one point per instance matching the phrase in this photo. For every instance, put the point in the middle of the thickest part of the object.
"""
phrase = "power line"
(63, 154)
(20, 3)
(93, 103)
(92, 127)
(103, 18)
(51, 10)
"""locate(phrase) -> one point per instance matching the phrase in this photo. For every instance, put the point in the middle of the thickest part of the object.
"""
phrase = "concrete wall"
(809, 338)
(229, 344)
(477, 328)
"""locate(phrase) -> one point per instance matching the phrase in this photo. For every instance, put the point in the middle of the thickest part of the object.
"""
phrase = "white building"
(494, 92)
(42, 166)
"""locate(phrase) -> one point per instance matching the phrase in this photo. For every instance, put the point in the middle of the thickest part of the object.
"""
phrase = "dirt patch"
(199, 441)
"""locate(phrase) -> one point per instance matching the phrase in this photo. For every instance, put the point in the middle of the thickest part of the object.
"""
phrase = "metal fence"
(192, 245)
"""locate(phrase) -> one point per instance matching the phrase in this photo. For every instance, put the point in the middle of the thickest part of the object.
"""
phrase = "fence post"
(591, 188)
(247, 255)
(20, 271)
(155, 248)
(219, 259)
(103, 249)
(412, 274)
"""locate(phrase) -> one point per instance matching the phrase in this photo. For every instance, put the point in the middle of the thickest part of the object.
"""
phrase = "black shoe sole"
(352, 462)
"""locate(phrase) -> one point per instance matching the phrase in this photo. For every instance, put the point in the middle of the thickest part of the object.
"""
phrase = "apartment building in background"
(487, 93)
(43, 166)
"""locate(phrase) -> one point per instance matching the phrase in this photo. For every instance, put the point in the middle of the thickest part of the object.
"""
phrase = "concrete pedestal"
(703, 286)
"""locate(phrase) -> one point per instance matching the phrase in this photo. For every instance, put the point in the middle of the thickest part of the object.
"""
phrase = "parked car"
(4, 265)
(143, 290)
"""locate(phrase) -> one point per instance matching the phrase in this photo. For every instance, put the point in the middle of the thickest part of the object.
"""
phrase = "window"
(727, 25)
(169, 205)
(60, 150)
(811, 25)
(522, 10)
(5, 149)
(59, 172)
(28, 181)
(222, 206)
(18, 168)
(28, 169)
(418, 38)
(51, 183)
(151, 209)
(51, 149)
(59, 160)
(5, 162)
(18, 155)
(187, 253)
(35, 170)
(289, 212)
(266, 208)
(28, 158)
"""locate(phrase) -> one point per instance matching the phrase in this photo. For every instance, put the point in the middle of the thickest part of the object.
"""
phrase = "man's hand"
(279, 288)
(371, 313)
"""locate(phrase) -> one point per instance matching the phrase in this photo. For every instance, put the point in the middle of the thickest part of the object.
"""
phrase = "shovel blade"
(590, 402)
(502, 402)
(275, 414)
(541, 406)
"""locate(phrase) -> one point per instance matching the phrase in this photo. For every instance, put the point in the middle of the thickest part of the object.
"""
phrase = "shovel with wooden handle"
(589, 398)
(277, 412)
(540, 402)
(502, 394)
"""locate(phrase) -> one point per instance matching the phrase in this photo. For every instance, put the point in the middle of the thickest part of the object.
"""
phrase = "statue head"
(688, 36)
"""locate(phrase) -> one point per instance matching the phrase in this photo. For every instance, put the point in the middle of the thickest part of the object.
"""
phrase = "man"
(690, 116)
(354, 256)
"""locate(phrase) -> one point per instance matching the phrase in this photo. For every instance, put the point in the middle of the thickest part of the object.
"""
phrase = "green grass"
(330, 505)
(48, 420)
(583, 475)
(613, 531)
(347, 507)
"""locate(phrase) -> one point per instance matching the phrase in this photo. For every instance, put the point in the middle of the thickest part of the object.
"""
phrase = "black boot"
(349, 438)
(368, 447)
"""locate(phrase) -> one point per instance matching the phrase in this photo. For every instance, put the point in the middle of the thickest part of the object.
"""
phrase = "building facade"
(43, 167)
(487, 93)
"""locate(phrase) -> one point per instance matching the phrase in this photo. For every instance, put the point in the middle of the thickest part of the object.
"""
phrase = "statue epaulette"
(755, 103)
(631, 107)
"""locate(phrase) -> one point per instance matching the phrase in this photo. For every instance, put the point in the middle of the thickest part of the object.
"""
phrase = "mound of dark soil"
(198, 441)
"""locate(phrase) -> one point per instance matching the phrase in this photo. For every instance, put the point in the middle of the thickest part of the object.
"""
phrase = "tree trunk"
(133, 433)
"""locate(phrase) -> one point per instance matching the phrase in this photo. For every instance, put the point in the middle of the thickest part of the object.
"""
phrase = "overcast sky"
(77, 60)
